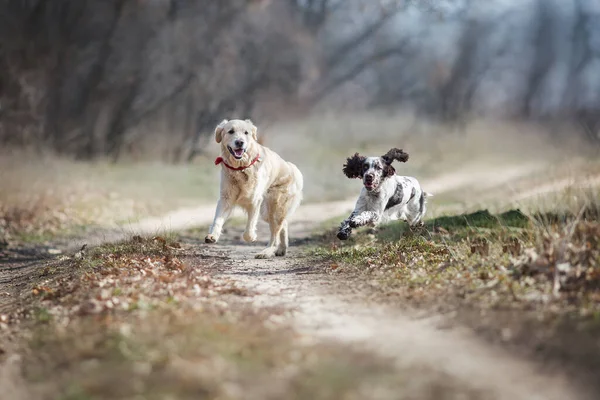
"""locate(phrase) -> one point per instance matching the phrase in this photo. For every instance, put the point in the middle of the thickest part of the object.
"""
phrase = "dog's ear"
(388, 170)
(354, 166)
(254, 129)
(395, 154)
(219, 131)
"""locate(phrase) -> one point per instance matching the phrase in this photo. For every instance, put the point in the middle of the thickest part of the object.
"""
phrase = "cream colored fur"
(271, 188)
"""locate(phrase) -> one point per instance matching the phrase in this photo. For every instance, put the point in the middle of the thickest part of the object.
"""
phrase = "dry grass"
(480, 251)
(136, 320)
(40, 196)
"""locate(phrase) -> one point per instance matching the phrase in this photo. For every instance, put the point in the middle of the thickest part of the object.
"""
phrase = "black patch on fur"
(354, 166)
(421, 202)
(388, 170)
(396, 197)
(395, 154)
(413, 193)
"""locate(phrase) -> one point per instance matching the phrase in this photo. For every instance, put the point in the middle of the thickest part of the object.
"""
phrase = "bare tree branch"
(340, 54)
(361, 66)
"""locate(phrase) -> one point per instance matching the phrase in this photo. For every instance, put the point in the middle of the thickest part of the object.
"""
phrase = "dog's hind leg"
(416, 210)
(283, 240)
(276, 218)
(276, 226)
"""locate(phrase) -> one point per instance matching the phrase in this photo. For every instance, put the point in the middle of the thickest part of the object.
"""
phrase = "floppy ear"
(219, 131)
(354, 166)
(254, 129)
(388, 170)
(395, 154)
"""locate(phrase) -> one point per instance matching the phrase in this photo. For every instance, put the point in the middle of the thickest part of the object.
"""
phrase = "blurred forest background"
(114, 78)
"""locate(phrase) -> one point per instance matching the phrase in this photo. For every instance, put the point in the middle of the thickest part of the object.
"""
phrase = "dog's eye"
(246, 132)
(231, 131)
(366, 166)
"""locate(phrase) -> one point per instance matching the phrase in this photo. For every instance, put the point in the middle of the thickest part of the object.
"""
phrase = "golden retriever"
(259, 181)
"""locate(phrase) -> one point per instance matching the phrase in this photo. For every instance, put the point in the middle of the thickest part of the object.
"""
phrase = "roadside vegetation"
(529, 279)
(44, 197)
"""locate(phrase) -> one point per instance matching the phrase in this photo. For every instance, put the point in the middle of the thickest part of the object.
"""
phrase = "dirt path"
(322, 307)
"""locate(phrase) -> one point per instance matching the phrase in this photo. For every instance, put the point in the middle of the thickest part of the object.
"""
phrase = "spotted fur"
(385, 196)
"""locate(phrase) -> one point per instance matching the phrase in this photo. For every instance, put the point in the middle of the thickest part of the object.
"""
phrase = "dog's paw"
(249, 236)
(210, 239)
(417, 225)
(281, 251)
(269, 252)
(343, 235)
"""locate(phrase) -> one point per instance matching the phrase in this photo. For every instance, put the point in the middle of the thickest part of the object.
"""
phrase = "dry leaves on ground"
(131, 277)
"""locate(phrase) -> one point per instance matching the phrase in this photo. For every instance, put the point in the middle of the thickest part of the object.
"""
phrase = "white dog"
(385, 195)
(258, 180)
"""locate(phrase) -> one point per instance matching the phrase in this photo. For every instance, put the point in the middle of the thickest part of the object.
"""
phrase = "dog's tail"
(295, 189)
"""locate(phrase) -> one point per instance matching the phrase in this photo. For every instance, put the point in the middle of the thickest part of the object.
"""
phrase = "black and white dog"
(385, 195)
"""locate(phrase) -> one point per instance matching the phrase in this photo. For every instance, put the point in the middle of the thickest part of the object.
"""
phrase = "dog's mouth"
(236, 153)
(370, 185)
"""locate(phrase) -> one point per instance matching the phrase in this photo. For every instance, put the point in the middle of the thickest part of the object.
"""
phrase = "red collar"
(220, 160)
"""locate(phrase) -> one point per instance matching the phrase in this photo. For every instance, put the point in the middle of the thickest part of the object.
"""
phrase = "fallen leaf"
(159, 239)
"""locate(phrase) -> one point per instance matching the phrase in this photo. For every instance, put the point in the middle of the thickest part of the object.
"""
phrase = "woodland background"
(130, 78)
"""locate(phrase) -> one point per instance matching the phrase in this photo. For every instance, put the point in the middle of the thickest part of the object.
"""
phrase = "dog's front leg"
(364, 218)
(221, 214)
(253, 214)
(355, 220)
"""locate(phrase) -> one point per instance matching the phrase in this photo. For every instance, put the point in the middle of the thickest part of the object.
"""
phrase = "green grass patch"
(481, 219)
(464, 225)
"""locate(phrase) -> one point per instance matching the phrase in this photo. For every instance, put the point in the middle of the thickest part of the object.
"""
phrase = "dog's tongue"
(238, 152)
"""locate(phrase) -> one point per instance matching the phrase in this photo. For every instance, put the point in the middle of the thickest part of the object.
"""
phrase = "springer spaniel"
(385, 195)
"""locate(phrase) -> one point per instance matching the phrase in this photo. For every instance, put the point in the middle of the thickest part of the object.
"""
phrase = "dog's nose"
(369, 177)
(239, 143)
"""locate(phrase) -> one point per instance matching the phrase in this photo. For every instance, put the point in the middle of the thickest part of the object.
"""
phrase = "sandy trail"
(188, 218)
